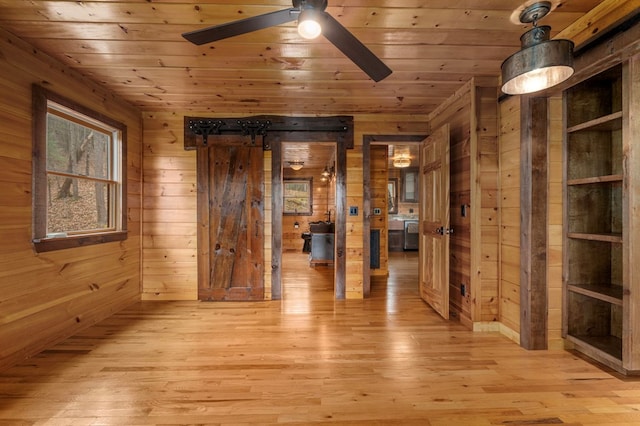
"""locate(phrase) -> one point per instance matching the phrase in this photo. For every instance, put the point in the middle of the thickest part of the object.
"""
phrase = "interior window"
(79, 172)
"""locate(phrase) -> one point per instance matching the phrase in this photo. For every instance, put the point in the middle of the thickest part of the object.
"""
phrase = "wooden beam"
(203, 131)
(601, 19)
(533, 225)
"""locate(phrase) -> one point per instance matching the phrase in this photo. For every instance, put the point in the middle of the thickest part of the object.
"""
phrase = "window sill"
(50, 244)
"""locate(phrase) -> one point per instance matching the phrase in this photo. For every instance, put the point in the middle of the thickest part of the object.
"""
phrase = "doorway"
(270, 132)
(308, 222)
(397, 217)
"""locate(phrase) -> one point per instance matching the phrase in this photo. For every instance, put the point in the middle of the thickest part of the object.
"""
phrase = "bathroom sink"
(321, 227)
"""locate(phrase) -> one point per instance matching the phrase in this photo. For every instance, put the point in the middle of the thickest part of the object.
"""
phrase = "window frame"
(410, 173)
(309, 182)
(43, 243)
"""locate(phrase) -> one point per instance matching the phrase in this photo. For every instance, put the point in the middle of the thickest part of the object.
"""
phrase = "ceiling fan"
(305, 11)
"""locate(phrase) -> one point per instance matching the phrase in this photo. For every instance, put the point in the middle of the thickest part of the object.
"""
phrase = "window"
(79, 174)
(297, 197)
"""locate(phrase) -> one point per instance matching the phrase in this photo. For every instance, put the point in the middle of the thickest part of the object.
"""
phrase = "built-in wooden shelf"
(598, 315)
(610, 345)
(607, 293)
(605, 123)
(595, 179)
(610, 238)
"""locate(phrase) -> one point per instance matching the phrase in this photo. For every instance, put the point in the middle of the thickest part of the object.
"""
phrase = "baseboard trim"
(494, 326)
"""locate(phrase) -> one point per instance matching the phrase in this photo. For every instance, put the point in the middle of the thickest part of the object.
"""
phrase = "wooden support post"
(340, 273)
(533, 222)
(276, 213)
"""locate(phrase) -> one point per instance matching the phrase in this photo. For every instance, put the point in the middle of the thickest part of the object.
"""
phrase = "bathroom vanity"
(322, 243)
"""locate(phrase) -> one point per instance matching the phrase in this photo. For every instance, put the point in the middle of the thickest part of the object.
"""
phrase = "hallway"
(308, 359)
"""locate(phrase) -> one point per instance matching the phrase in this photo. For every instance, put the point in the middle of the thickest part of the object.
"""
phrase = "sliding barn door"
(434, 221)
(230, 222)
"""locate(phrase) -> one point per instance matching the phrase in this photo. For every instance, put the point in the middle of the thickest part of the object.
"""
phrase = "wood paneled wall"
(509, 217)
(169, 240)
(47, 297)
(472, 116)
(484, 226)
(169, 223)
(510, 213)
(554, 226)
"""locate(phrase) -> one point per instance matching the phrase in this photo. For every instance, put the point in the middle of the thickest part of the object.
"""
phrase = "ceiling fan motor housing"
(320, 5)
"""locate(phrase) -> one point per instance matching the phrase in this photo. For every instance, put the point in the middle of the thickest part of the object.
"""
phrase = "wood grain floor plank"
(308, 359)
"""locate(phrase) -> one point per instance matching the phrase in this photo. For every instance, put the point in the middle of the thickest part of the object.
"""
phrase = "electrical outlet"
(463, 289)
(377, 211)
(353, 211)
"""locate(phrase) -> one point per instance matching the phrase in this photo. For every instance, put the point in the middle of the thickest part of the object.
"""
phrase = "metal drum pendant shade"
(541, 63)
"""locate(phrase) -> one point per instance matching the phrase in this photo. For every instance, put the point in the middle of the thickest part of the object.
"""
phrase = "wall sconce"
(296, 165)
(296, 225)
(327, 174)
(541, 63)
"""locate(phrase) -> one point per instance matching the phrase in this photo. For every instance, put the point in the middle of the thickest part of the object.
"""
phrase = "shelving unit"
(597, 318)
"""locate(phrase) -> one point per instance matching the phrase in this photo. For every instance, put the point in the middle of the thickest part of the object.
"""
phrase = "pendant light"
(401, 161)
(541, 63)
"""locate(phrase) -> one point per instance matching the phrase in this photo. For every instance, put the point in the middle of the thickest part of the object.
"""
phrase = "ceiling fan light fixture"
(304, 11)
(540, 63)
(308, 24)
(296, 165)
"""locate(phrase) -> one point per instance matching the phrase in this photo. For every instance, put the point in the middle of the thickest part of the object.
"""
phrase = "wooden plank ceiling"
(135, 48)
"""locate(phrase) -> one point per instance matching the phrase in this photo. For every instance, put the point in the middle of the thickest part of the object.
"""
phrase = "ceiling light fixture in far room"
(296, 165)
(401, 161)
(540, 63)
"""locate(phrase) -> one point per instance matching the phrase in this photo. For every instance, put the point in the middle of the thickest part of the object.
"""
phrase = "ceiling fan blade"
(243, 26)
(353, 48)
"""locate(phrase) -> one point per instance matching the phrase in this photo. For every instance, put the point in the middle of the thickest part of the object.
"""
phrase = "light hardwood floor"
(307, 359)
